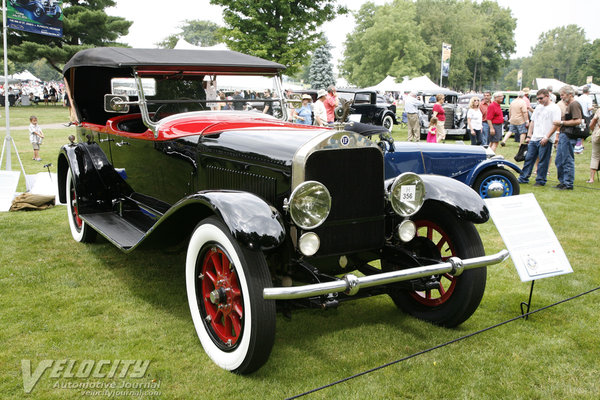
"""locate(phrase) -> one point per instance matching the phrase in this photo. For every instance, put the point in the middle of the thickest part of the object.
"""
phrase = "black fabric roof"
(212, 60)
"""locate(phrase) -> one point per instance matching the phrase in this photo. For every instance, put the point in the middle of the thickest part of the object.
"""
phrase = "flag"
(43, 17)
(520, 78)
(446, 51)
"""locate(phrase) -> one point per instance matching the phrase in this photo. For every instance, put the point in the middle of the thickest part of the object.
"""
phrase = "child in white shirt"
(35, 137)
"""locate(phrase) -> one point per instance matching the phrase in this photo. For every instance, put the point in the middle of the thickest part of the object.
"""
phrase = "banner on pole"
(589, 80)
(43, 17)
(446, 51)
(520, 78)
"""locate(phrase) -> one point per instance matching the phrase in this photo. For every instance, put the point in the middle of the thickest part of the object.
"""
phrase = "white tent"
(421, 83)
(543, 83)
(11, 81)
(231, 82)
(387, 85)
(593, 88)
(26, 76)
(342, 83)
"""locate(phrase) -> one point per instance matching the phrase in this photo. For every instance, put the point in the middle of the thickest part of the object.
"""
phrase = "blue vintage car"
(476, 166)
(479, 167)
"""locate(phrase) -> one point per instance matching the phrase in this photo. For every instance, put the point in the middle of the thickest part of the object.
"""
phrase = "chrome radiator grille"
(354, 177)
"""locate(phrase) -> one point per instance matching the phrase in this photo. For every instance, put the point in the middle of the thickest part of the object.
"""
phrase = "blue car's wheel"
(496, 182)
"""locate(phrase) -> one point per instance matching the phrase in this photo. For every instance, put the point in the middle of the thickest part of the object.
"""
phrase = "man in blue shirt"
(411, 108)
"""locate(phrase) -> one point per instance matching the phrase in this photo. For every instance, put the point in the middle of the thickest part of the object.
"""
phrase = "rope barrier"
(443, 344)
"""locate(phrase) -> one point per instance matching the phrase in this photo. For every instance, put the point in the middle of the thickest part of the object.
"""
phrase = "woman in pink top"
(440, 114)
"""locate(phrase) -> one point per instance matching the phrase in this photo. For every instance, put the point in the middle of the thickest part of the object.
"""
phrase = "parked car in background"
(274, 215)
(490, 175)
(463, 100)
(456, 122)
(368, 107)
(509, 97)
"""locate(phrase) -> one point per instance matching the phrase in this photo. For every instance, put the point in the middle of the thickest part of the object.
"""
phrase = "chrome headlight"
(407, 194)
(309, 204)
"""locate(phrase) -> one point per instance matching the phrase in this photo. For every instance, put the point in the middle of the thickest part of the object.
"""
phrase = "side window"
(362, 98)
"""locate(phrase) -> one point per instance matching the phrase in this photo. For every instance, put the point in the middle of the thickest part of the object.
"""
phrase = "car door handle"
(122, 143)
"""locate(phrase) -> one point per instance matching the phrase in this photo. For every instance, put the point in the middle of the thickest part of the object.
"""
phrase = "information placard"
(529, 238)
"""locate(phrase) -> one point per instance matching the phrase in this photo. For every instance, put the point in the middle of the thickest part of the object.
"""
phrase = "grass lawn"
(64, 300)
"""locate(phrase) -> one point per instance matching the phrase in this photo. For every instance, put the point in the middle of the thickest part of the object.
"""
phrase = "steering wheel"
(155, 118)
(163, 107)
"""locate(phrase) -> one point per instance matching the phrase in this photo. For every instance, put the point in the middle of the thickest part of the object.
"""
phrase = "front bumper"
(351, 284)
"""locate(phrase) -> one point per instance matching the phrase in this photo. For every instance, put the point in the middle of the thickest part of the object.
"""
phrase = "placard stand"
(528, 303)
(530, 240)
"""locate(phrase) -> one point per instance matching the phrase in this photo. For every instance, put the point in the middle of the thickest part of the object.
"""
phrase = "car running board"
(115, 229)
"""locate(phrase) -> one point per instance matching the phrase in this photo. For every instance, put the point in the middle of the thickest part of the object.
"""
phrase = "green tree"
(320, 73)
(197, 32)
(41, 69)
(556, 54)
(385, 41)
(278, 30)
(405, 38)
(508, 76)
(588, 64)
(481, 35)
(85, 24)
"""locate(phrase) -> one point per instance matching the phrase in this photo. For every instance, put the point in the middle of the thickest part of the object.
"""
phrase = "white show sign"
(8, 186)
(529, 238)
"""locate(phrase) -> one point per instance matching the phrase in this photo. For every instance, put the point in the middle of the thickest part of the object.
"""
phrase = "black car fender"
(454, 195)
(251, 220)
(385, 112)
(96, 181)
(66, 159)
(490, 163)
(463, 200)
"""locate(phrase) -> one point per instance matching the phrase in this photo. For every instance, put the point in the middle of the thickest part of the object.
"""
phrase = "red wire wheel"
(441, 234)
(221, 298)
(224, 283)
(78, 220)
(436, 297)
(80, 231)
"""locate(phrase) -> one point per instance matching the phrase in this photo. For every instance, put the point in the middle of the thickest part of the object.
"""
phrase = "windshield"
(178, 93)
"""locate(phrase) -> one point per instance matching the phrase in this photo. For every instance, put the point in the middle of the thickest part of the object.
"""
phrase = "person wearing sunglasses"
(540, 136)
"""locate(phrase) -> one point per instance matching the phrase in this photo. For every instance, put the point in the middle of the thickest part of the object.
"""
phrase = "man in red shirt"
(495, 120)
(483, 107)
(331, 102)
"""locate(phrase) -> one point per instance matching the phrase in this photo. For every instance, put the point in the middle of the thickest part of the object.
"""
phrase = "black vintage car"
(369, 108)
(366, 106)
(275, 216)
(456, 116)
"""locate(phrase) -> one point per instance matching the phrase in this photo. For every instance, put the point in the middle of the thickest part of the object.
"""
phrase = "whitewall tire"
(80, 231)
(224, 283)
